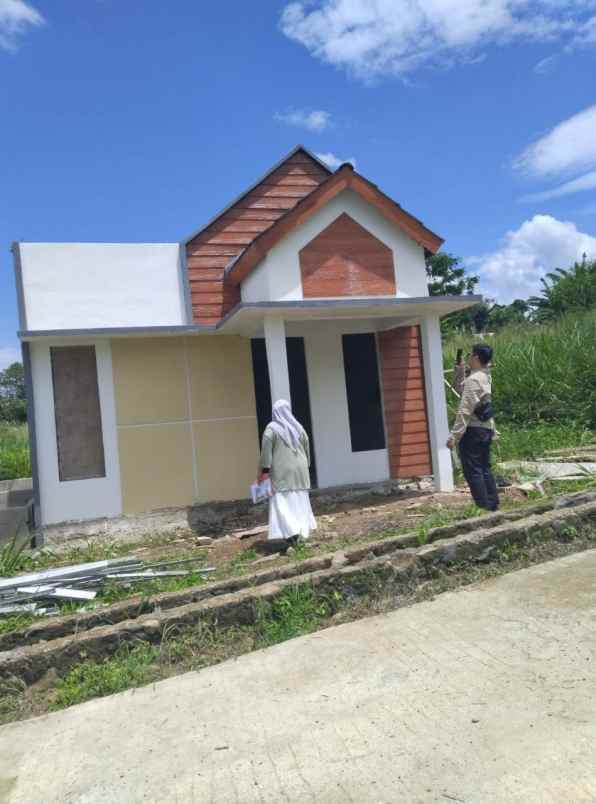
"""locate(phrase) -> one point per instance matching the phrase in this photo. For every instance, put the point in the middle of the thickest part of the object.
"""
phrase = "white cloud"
(333, 161)
(315, 120)
(9, 355)
(586, 182)
(569, 147)
(16, 18)
(539, 245)
(371, 38)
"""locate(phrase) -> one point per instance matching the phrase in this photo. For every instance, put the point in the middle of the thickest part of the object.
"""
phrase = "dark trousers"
(474, 451)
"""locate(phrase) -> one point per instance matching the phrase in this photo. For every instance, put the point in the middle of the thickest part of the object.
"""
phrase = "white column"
(277, 358)
(436, 402)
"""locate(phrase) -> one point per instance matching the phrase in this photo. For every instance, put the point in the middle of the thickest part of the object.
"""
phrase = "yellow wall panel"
(150, 380)
(221, 377)
(227, 457)
(156, 468)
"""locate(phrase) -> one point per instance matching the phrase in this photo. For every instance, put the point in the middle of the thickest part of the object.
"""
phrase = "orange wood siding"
(208, 254)
(404, 399)
(346, 260)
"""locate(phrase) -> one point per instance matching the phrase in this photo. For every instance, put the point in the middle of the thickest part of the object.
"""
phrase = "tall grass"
(14, 451)
(543, 374)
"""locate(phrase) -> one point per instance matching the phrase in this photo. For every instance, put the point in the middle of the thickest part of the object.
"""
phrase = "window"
(78, 416)
(364, 392)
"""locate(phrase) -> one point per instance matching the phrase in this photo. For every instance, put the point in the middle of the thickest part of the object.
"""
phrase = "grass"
(129, 667)
(14, 451)
(298, 611)
(543, 374)
(532, 442)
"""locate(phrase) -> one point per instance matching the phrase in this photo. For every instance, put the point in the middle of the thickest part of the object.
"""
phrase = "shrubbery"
(542, 373)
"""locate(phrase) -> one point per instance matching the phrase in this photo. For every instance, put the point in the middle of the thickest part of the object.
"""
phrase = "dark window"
(364, 392)
(78, 416)
(298, 389)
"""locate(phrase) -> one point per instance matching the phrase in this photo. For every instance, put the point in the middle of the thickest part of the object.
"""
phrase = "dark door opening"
(298, 389)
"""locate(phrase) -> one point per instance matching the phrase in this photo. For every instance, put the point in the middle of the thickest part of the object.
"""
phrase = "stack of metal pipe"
(41, 592)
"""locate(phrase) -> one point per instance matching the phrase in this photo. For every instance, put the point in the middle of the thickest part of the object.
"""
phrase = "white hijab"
(285, 425)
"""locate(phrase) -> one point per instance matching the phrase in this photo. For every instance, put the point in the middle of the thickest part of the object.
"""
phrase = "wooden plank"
(411, 461)
(205, 274)
(282, 203)
(241, 239)
(243, 225)
(201, 249)
(209, 298)
(206, 287)
(417, 449)
(402, 472)
(241, 212)
(404, 401)
(209, 261)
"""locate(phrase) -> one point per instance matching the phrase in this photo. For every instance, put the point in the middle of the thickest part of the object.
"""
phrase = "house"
(151, 367)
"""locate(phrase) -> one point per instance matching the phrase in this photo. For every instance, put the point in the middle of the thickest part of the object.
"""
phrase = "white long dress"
(290, 514)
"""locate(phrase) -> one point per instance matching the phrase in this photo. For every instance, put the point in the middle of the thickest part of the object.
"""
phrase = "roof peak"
(255, 184)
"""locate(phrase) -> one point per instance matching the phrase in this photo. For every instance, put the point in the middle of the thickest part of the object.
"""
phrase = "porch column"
(436, 402)
(277, 358)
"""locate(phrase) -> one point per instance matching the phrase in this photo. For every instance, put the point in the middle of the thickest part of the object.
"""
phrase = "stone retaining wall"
(365, 571)
(135, 606)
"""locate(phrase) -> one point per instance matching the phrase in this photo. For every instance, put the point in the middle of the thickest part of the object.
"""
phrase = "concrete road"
(484, 695)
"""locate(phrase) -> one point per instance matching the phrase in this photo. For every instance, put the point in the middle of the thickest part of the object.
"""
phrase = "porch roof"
(247, 316)
(243, 319)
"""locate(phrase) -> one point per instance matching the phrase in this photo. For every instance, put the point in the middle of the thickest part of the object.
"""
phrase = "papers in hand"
(261, 491)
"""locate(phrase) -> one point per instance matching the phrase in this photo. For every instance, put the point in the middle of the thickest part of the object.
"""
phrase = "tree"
(565, 291)
(13, 405)
(446, 277)
(503, 315)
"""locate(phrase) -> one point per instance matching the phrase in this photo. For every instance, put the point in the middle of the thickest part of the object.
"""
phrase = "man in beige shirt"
(474, 426)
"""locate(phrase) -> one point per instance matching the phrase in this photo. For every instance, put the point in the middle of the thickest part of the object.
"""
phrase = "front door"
(298, 389)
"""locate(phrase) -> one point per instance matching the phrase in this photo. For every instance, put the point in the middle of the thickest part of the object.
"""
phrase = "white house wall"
(336, 463)
(94, 285)
(74, 499)
(278, 277)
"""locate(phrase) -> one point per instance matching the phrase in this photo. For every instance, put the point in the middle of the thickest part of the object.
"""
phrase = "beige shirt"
(473, 389)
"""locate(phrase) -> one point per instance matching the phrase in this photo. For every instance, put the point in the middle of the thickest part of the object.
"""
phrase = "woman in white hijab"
(285, 458)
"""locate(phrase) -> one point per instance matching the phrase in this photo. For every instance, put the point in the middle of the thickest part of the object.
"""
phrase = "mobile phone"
(458, 357)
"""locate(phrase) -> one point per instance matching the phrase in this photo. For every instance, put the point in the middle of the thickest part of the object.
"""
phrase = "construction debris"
(552, 470)
(31, 593)
(244, 534)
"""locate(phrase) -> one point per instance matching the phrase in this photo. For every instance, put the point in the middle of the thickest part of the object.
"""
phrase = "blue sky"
(137, 121)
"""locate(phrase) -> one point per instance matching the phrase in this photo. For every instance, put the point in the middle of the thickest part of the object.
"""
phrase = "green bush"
(14, 451)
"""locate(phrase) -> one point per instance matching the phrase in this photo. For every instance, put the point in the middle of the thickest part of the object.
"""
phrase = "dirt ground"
(340, 525)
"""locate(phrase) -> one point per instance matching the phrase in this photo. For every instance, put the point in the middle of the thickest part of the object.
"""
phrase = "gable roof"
(223, 238)
(295, 151)
(344, 178)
